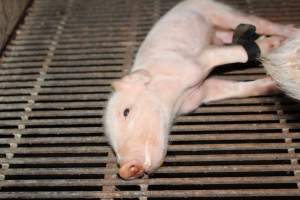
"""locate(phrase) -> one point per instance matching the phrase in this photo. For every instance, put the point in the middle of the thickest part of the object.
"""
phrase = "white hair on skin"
(283, 65)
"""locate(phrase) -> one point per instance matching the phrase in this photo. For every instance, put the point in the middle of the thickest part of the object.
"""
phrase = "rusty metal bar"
(158, 194)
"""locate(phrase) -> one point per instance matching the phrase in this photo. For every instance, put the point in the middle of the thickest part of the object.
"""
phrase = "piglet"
(170, 77)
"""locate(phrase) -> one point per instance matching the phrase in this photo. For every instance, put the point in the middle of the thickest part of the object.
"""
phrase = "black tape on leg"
(252, 49)
(245, 35)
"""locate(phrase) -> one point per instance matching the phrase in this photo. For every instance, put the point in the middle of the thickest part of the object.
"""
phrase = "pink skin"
(169, 77)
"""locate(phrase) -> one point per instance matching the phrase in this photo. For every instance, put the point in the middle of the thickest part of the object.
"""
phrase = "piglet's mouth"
(131, 170)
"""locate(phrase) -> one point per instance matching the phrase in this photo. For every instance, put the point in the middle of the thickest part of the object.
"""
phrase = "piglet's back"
(173, 33)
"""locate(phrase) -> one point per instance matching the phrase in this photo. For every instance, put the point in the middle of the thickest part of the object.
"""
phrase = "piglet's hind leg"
(214, 89)
(228, 18)
(217, 89)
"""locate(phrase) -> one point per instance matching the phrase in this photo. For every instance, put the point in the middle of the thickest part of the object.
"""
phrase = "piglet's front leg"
(217, 89)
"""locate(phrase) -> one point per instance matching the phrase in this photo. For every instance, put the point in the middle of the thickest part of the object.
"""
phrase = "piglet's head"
(135, 125)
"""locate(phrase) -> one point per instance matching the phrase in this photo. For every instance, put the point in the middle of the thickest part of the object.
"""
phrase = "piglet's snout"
(141, 155)
(132, 169)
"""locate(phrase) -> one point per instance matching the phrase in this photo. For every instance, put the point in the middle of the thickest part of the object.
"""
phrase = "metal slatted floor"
(55, 78)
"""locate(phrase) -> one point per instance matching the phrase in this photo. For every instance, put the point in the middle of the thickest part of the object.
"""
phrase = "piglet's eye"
(126, 112)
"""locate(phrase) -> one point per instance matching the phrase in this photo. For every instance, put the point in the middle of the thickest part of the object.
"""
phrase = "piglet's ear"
(139, 78)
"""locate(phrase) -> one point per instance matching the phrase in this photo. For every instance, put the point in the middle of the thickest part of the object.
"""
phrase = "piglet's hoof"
(131, 170)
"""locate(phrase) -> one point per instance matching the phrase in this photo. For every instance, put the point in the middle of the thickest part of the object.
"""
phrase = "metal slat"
(156, 181)
(47, 164)
(161, 171)
(52, 98)
(157, 194)
(194, 148)
(187, 138)
(189, 159)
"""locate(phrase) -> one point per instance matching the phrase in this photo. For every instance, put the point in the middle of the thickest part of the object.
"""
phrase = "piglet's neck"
(167, 91)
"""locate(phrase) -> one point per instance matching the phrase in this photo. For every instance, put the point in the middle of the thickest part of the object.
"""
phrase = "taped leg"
(222, 37)
(221, 55)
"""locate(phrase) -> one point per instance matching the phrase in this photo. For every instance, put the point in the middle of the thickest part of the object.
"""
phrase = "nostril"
(134, 169)
(131, 170)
